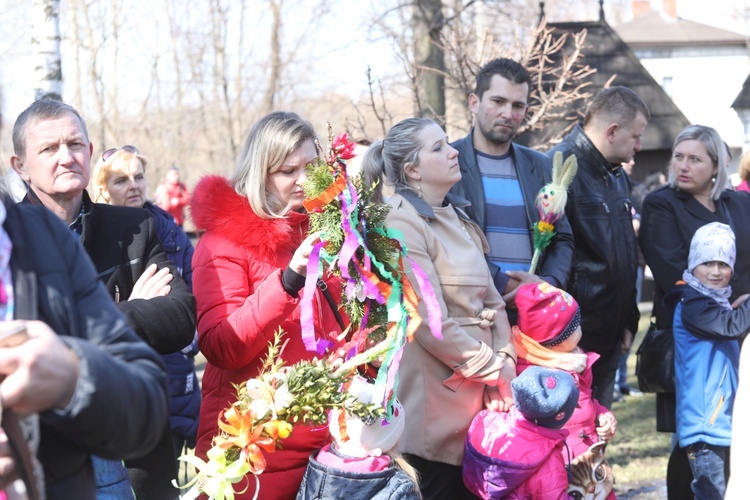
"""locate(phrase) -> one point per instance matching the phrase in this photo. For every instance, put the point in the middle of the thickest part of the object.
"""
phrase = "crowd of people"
(515, 395)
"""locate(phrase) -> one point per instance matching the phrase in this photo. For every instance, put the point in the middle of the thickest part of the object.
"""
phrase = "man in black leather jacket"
(600, 212)
(97, 387)
(492, 167)
(53, 156)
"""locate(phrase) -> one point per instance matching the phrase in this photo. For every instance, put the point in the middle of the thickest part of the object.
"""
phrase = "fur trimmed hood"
(216, 207)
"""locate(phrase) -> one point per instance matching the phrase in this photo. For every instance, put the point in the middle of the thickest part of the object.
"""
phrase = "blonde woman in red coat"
(248, 273)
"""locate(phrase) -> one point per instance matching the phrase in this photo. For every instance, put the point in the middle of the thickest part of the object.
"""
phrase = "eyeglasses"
(110, 152)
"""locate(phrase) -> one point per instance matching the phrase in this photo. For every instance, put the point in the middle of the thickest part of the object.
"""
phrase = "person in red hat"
(547, 334)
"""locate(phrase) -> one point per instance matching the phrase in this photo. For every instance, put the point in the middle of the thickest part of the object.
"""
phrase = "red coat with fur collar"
(241, 303)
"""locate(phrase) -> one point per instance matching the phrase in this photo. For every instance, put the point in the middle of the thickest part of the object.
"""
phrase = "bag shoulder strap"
(332, 303)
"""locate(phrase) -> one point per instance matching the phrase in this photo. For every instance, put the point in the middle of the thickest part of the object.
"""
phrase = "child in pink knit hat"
(547, 334)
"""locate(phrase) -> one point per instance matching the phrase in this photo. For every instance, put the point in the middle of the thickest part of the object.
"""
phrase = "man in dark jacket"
(53, 156)
(97, 387)
(502, 179)
(600, 212)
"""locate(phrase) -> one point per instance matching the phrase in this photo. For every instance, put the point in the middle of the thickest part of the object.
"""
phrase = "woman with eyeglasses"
(119, 178)
(249, 271)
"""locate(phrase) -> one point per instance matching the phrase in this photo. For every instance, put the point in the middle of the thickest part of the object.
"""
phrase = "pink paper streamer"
(434, 313)
(307, 320)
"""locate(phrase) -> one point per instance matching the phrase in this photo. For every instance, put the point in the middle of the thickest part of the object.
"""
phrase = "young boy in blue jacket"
(707, 331)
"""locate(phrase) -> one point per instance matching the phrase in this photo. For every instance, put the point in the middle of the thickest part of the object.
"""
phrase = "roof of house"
(611, 57)
(743, 98)
(659, 29)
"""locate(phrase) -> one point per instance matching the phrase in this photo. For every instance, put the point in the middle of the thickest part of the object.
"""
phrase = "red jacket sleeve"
(241, 303)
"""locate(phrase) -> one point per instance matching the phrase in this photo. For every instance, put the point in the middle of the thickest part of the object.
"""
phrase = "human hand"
(636, 225)
(739, 300)
(606, 426)
(498, 398)
(627, 340)
(517, 278)
(492, 399)
(153, 282)
(8, 472)
(41, 374)
(299, 260)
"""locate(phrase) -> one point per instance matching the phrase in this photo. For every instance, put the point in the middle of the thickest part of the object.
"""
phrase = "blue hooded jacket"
(184, 390)
(707, 352)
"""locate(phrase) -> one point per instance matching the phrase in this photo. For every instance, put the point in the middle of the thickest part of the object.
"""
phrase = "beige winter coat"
(437, 376)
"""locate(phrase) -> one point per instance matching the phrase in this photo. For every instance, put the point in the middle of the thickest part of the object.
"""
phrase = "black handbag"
(655, 364)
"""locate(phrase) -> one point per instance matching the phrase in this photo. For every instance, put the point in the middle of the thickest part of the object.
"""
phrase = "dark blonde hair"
(120, 159)
(389, 157)
(716, 150)
(270, 140)
(744, 170)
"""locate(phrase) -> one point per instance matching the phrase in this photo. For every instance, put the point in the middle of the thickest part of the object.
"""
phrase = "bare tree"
(470, 34)
(274, 74)
(45, 44)
(429, 57)
(554, 60)
(559, 79)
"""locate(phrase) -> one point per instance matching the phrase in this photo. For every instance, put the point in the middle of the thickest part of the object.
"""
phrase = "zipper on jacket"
(606, 207)
(117, 294)
(717, 410)
(715, 414)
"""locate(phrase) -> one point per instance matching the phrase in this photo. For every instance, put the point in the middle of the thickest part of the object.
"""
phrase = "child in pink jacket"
(519, 454)
(547, 334)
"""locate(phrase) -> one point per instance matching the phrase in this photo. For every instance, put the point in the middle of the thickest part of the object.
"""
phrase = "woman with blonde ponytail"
(444, 382)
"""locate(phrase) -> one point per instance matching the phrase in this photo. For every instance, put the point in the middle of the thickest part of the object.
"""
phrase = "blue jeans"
(112, 482)
(707, 463)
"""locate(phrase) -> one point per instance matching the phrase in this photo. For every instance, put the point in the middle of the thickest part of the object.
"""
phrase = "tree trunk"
(429, 57)
(221, 69)
(274, 73)
(45, 42)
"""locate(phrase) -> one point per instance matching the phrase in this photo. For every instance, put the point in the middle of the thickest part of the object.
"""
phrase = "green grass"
(638, 454)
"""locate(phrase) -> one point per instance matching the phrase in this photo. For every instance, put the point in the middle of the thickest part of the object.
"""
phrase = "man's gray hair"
(42, 109)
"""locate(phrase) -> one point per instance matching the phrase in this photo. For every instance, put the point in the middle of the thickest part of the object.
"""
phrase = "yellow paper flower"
(284, 428)
(216, 477)
(545, 227)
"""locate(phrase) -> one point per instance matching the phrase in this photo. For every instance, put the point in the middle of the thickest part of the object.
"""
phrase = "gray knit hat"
(545, 396)
(712, 242)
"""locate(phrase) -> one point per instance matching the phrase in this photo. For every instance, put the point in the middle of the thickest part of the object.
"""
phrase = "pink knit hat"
(546, 314)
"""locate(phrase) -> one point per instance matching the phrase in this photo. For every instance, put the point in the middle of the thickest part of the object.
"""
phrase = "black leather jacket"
(534, 170)
(606, 253)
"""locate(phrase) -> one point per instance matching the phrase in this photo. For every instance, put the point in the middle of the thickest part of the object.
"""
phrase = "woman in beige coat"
(444, 382)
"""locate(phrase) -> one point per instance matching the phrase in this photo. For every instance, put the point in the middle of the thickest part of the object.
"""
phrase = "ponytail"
(385, 160)
(373, 170)
(401, 463)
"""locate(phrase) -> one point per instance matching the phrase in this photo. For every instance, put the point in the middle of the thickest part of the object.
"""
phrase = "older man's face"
(57, 160)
